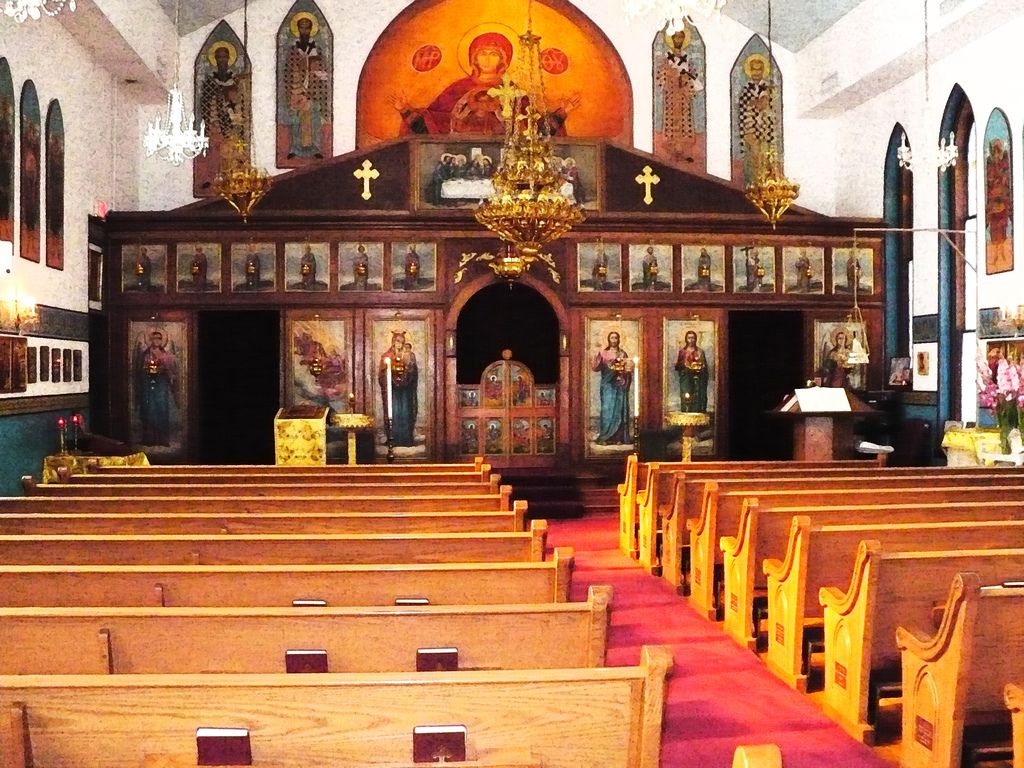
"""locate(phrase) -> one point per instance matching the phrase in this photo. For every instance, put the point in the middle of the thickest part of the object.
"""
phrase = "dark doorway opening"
(514, 317)
(239, 381)
(765, 364)
(99, 381)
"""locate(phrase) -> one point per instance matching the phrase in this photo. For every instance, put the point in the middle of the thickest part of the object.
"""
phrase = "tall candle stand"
(390, 442)
(62, 426)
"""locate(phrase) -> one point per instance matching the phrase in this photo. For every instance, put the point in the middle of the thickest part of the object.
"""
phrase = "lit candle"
(636, 387)
(387, 405)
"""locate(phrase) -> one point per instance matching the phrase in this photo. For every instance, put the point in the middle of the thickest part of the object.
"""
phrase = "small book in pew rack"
(437, 659)
(223, 746)
(309, 603)
(411, 601)
(439, 744)
(301, 661)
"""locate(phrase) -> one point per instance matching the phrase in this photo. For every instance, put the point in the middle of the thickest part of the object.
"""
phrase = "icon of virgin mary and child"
(466, 106)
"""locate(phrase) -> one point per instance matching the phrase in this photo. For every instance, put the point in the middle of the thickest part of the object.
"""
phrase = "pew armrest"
(773, 568)
(621, 488)
(1013, 695)
(831, 597)
(729, 544)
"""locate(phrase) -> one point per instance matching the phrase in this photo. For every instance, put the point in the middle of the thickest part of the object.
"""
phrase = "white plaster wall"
(865, 131)
(359, 26)
(85, 91)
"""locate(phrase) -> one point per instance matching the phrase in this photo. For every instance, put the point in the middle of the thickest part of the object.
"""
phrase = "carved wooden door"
(507, 417)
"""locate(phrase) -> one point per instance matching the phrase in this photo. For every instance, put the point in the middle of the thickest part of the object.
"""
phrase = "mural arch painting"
(432, 71)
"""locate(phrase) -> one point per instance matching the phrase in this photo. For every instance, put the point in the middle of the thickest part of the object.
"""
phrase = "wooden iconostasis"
(350, 280)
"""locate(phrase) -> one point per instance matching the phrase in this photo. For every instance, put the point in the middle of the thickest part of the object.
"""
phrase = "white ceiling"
(795, 23)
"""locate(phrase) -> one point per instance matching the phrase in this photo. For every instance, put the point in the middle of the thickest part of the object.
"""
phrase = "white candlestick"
(387, 405)
(636, 387)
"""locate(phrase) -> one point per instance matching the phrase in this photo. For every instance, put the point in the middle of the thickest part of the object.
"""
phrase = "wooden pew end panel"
(758, 756)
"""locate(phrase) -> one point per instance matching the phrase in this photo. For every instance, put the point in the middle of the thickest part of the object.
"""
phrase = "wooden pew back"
(241, 549)
(693, 499)
(764, 532)
(255, 640)
(256, 488)
(477, 465)
(566, 718)
(957, 674)
(721, 520)
(657, 499)
(269, 474)
(889, 589)
(235, 505)
(819, 555)
(143, 522)
(228, 586)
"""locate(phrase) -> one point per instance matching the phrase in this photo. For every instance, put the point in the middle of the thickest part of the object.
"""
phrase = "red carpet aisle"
(719, 695)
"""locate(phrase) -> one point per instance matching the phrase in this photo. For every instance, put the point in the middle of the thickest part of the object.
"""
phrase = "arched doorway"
(508, 372)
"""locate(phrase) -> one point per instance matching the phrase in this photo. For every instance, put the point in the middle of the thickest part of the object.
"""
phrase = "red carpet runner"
(720, 695)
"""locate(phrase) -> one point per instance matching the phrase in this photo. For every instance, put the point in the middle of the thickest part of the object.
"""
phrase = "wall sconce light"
(18, 311)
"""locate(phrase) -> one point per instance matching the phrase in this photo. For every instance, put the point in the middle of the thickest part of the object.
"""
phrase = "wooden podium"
(300, 435)
(827, 434)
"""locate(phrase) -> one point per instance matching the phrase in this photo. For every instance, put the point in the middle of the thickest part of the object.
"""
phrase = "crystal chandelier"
(528, 209)
(944, 155)
(238, 181)
(22, 10)
(674, 13)
(178, 140)
(770, 191)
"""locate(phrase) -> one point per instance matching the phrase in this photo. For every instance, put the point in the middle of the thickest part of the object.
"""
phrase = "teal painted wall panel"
(24, 441)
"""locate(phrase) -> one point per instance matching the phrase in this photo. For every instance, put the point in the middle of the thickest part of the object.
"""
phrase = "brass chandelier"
(527, 209)
(770, 191)
(238, 181)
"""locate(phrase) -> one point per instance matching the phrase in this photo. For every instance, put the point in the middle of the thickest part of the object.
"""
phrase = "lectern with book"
(823, 422)
(300, 435)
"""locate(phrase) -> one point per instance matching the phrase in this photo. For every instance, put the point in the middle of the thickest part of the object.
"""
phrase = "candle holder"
(62, 426)
(390, 442)
(76, 431)
(636, 434)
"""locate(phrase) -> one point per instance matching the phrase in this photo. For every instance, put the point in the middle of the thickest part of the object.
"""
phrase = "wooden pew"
(692, 499)
(477, 465)
(758, 756)
(251, 640)
(718, 529)
(236, 505)
(142, 522)
(656, 502)
(956, 675)
(818, 555)
(628, 490)
(224, 586)
(241, 549)
(1013, 695)
(251, 488)
(311, 476)
(889, 589)
(565, 718)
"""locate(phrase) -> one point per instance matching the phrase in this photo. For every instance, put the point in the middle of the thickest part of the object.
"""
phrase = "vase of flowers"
(1001, 390)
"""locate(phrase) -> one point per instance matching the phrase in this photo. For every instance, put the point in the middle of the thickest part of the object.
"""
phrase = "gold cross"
(506, 93)
(648, 179)
(367, 173)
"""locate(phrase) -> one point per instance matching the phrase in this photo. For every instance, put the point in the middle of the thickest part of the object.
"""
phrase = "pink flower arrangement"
(1001, 390)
